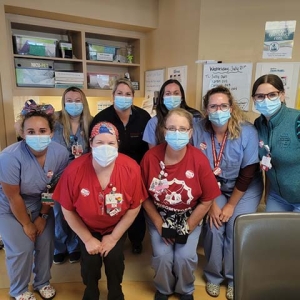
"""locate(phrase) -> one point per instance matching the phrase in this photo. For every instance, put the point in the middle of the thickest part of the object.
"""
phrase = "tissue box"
(99, 52)
(102, 81)
(34, 72)
(29, 45)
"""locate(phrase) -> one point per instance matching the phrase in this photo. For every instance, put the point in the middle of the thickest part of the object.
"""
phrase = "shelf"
(79, 35)
(111, 63)
(71, 60)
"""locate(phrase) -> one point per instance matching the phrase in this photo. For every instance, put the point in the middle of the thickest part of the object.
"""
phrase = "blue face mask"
(38, 142)
(268, 107)
(177, 140)
(122, 102)
(219, 117)
(74, 109)
(172, 101)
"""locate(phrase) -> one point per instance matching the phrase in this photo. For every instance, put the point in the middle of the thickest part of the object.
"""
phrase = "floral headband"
(104, 127)
(31, 106)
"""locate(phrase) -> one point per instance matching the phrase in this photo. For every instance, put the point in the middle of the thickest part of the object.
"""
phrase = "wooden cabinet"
(80, 36)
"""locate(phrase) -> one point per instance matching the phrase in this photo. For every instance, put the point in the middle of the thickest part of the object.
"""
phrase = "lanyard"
(217, 160)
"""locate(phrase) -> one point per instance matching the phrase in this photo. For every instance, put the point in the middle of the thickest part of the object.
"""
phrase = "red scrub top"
(79, 190)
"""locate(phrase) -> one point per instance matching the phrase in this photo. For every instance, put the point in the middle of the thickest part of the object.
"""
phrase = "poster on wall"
(180, 74)
(236, 77)
(279, 39)
(154, 79)
(103, 104)
(288, 72)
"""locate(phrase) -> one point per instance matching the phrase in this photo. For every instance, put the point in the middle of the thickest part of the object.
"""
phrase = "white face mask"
(104, 155)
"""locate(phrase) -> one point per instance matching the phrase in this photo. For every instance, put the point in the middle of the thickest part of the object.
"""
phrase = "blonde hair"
(237, 116)
(85, 118)
(123, 81)
(180, 112)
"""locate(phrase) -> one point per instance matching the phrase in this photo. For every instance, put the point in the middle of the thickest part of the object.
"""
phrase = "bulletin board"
(235, 76)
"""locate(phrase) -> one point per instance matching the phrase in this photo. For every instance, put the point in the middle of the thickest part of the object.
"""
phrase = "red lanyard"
(217, 160)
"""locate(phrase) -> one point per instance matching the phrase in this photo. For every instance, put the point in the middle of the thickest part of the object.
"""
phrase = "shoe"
(212, 289)
(47, 292)
(187, 297)
(26, 296)
(59, 258)
(74, 257)
(137, 248)
(229, 292)
(159, 296)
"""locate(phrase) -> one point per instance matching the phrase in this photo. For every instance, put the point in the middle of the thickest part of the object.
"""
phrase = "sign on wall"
(235, 76)
(279, 39)
(288, 72)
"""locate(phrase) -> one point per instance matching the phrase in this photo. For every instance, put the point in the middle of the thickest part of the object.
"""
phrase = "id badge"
(47, 198)
(113, 203)
(77, 150)
(265, 163)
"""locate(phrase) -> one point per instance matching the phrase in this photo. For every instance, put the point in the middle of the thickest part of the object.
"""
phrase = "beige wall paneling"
(175, 41)
(2, 123)
(233, 31)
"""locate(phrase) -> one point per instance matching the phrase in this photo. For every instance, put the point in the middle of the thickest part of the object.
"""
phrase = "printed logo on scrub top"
(179, 191)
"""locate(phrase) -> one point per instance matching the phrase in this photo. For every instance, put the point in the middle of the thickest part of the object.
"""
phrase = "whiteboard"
(235, 76)
(288, 72)
(154, 79)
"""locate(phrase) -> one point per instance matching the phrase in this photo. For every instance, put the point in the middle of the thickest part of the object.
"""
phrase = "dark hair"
(162, 111)
(48, 117)
(268, 78)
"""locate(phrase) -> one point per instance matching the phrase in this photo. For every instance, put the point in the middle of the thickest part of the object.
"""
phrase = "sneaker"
(186, 297)
(137, 248)
(229, 292)
(26, 296)
(47, 292)
(212, 289)
(59, 258)
(74, 257)
(159, 296)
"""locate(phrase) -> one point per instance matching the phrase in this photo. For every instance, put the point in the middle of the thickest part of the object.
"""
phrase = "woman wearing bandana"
(71, 130)
(101, 194)
(130, 120)
(171, 95)
(181, 188)
(230, 144)
(28, 170)
(279, 144)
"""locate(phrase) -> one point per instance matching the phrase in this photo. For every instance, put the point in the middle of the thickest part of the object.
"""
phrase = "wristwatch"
(43, 216)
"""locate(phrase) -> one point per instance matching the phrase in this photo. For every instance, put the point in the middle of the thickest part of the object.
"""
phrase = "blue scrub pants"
(276, 203)
(24, 256)
(66, 240)
(218, 243)
(174, 265)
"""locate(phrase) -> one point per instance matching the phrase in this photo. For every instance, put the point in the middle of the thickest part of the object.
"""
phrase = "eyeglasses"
(214, 107)
(180, 129)
(271, 96)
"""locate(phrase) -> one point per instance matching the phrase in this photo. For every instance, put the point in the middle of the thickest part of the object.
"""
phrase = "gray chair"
(267, 256)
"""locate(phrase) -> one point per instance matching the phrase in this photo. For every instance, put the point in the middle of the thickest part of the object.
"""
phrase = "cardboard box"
(37, 46)
(34, 72)
(100, 52)
(102, 81)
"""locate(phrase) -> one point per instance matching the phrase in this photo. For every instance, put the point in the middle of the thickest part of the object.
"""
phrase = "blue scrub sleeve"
(9, 169)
